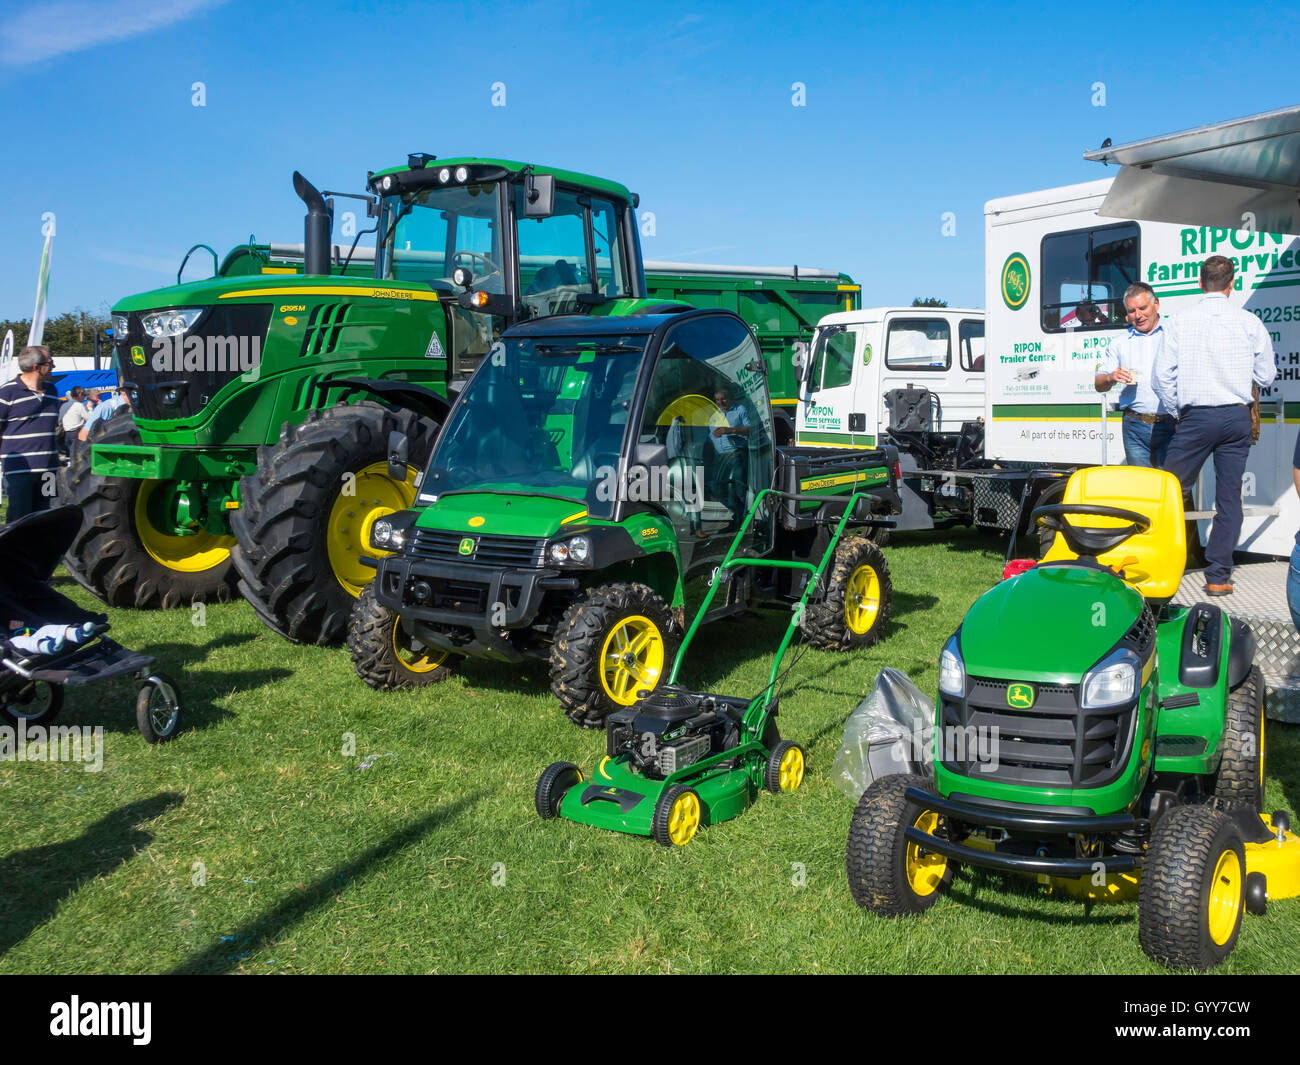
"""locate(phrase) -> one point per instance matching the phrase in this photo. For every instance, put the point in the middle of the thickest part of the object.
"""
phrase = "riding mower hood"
(1094, 735)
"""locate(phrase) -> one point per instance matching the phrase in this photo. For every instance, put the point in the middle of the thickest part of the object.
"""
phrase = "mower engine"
(673, 728)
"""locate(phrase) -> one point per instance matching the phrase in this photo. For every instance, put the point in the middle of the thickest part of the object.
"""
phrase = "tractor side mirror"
(398, 448)
(539, 195)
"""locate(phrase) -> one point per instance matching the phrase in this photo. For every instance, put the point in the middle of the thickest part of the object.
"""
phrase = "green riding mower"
(1094, 735)
(678, 759)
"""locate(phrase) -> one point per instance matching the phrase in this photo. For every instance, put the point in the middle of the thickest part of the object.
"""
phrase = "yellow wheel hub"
(923, 869)
(862, 599)
(790, 771)
(371, 495)
(684, 818)
(1224, 909)
(632, 659)
(184, 554)
(424, 660)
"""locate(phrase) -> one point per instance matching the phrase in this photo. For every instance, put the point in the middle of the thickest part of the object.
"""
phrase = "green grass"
(431, 858)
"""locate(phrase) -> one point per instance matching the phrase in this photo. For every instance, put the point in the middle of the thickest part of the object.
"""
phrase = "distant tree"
(70, 333)
(929, 301)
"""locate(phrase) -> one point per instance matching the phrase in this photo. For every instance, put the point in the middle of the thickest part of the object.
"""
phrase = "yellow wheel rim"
(631, 659)
(862, 600)
(790, 771)
(684, 818)
(1225, 898)
(184, 554)
(347, 534)
(924, 869)
(425, 660)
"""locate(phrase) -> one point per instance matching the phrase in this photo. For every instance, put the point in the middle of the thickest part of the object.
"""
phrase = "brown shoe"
(1218, 589)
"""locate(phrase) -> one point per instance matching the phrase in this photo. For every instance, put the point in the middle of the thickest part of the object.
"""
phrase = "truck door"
(919, 355)
(829, 412)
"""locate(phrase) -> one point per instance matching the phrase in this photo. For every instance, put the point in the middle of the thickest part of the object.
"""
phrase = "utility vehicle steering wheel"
(1090, 541)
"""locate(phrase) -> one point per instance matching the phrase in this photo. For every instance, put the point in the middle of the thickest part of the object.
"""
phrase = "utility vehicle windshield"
(544, 416)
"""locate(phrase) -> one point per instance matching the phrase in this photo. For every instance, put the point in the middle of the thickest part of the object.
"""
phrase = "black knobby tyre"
(283, 551)
(1240, 777)
(786, 765)
(382, 653)
(577, 669)
(1184, 885)
(37, 703)
(109, 558)
(556, 779)
(836, 619)
(1044, 536)
(158, 708)
(879, 856)
(671, 824)
(878, 534)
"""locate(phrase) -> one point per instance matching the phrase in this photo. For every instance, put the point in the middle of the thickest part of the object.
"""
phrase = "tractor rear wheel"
(305, 516)
(1241, 770)
(613, 641)
(385, 656)
(1193, 889)
(888, 874)
(854, 610)
(121, 556)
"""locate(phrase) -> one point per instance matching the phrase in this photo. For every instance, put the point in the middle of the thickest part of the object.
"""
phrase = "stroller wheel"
(35, 703)
(158, 708)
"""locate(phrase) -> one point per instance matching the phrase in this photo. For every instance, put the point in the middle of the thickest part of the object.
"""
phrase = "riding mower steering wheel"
(1090, 541)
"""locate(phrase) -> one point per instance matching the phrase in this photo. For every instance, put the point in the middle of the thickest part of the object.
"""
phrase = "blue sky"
(911, 111)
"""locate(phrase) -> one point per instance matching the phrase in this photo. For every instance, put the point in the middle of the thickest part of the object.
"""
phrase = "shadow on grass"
(257, 933)
(33, 883)
(1019, 899)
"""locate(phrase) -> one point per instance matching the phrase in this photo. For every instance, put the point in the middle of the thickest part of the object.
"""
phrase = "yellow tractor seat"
(1152, 562)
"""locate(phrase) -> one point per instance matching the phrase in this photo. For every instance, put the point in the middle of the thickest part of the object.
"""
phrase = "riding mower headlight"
(952, 671)
(1112, 681)
(170, 323)
(576, 549)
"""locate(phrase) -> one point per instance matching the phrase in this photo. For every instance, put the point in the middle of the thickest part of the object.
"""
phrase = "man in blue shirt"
(729, 432)
(29, 415)
(1214, 353)
(1148, 423)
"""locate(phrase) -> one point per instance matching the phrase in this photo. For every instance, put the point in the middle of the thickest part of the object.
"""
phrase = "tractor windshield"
(427, 233)
(545, 416)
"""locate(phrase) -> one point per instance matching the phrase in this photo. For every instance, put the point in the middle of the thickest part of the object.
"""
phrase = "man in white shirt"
(1148, 422)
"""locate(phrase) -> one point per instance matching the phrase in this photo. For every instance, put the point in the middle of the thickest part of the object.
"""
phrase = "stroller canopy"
(30, 548)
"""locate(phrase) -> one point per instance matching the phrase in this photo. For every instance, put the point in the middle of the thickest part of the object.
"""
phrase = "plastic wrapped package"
(890, 732)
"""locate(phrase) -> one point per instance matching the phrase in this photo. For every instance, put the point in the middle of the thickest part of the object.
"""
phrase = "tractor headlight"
(576, 549)
(120, 326)
(170, 323)
(462, 174)
(1111, 681)
(171, 396)
(952, 671)
(444, 175)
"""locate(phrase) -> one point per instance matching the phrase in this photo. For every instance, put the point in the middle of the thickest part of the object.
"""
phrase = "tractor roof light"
(462, 174)
(1112, 681)
(444, 175)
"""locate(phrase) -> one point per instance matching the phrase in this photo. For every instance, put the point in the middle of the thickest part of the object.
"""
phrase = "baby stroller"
(31, 682)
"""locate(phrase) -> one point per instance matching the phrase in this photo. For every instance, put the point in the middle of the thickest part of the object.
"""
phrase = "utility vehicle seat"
(1153, 561)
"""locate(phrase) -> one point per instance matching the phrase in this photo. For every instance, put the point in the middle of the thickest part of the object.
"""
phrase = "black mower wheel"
(677, 816)
(556, 779)
(385, 656)
(1241, 771)
(854, 609)
(613, 641)
(1256, 894)
(118, 556)
(37, 703)
(1043, 536)
(888, 874)
(1193, 889)
(158, 708)
(786, 765)
(306, 515)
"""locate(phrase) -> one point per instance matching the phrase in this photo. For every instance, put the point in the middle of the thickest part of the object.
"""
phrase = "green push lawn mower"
(679, 759)
(1127, 739)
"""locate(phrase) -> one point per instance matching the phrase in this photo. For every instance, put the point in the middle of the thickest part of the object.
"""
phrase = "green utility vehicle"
(263, 397)
(591, 467)
(1115, 752)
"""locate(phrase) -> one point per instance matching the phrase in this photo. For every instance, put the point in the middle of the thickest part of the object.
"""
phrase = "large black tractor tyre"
(1193, 890)
(384, 656)
(613, 641)
(888, 874)
(118, 556)
(854, 609)
(305, 515)
(1241, 770)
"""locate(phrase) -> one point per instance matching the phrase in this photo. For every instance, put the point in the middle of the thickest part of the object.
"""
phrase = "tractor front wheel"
(385, 656)
(305, 516)
(888, 873)
(854, 609)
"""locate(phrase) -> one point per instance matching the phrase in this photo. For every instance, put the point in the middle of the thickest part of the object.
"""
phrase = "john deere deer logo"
(467, 545)
(1021, 696)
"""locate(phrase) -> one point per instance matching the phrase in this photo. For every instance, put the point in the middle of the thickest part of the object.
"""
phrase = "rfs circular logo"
(1015, 281)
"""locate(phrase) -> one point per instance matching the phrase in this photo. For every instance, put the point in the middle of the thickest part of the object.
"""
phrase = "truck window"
(1085, 273)
(970, 342)
(833, 357)
(918, 344)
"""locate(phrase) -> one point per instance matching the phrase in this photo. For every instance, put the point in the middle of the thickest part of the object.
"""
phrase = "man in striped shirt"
(1213, 354)
(29, 414)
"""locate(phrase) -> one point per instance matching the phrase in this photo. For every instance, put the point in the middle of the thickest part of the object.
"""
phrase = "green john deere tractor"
(591, 467)
(1095, 735)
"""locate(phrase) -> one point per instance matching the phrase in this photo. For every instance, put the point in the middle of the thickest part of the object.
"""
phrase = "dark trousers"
(1223, 432)
(25, 494)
